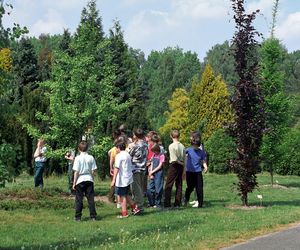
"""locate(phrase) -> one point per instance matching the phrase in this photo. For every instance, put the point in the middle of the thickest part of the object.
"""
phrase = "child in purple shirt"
(196, 163)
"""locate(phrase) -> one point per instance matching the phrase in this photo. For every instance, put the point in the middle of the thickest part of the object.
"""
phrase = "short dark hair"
(151, 133)
(196, 138)
(83, 146)
(116, 133)
(155, 148)
(139, 133)
(155, 138)
(121, 145)
(175, 134)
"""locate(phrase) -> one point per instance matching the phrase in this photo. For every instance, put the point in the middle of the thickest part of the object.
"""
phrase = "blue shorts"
(122, 191)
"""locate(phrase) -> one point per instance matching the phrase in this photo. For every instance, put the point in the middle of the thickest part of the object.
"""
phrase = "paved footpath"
(288, 239)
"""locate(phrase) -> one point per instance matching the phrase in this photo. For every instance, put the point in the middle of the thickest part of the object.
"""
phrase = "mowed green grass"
(30, 219)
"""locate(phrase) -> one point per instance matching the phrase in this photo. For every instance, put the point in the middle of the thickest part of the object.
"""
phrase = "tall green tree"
(65, 43)
(125, 85)
(89, 33)
(25, 66)
(80, 91)
(136, 115)
(44, 58)
(221, 59)
(277, 105)
(163, 72)
(9, 148)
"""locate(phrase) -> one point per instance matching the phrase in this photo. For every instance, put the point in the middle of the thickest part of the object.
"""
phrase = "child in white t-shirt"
(84, 167)
(122, 179)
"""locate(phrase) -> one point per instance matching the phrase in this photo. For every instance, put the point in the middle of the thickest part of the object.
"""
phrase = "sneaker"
(77, 219)
(195, 204)
(93, 219)
(136, 211)
(123, 215)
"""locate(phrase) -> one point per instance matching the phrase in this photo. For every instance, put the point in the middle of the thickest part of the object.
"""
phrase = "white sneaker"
(118, 205)
(195, 204)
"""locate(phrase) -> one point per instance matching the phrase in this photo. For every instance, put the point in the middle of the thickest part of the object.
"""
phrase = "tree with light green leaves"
(209, 107)
(277, 104)
(176, 116)
(81, 89)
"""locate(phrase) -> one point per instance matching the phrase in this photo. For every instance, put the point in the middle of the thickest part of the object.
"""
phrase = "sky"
(193, 25)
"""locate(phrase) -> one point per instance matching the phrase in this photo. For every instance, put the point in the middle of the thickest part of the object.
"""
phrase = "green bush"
(288, 161)
(221, 149)
(8, 158)
(100, 152)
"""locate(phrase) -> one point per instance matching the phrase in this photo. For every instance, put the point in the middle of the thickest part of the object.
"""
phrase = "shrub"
(288, 162)
(8, 159)
(221, 149)
(100, 152)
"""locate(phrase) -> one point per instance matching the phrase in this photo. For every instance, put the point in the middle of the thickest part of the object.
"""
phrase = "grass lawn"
(30, 219)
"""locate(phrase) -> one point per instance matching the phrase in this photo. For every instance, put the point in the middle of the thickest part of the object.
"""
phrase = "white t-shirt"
(84, 164)
(41, 158)
(123, 163)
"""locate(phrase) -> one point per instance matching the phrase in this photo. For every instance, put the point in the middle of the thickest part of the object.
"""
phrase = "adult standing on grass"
(176, 151)
(195, 164)
(84, 168)
(40, 163)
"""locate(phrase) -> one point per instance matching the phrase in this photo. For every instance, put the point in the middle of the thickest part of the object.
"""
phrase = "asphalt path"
(288, 239)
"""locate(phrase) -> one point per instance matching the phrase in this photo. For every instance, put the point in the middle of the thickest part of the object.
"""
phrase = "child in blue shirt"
(155, 173)
(196, 163)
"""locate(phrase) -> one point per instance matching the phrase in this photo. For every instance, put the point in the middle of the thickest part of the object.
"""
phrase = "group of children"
(136, 162)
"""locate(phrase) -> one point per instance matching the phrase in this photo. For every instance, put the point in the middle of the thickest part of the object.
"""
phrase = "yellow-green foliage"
(176, 117)
(209, 104)
(5, 59)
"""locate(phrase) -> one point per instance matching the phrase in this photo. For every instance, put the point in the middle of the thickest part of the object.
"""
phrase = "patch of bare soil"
(279, 186)
(244, 207)
(97, 198)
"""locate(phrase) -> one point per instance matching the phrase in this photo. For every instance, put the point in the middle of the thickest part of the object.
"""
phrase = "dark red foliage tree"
(247, 101)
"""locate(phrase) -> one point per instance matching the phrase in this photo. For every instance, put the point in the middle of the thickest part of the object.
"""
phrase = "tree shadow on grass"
(292, 185)
(277, 203)
(101, 239)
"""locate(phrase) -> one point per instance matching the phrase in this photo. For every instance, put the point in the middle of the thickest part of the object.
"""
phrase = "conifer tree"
(177, 115)
(25, 64)
(89, 33)
(209, 108)
(44, 58)
(125, 85)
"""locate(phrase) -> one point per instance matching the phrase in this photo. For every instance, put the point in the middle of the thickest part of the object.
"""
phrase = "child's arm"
(76, 174)
(150, 167)
(111, 164)
(38, 149)
(159, 167)
(205, 166)
(113, 182)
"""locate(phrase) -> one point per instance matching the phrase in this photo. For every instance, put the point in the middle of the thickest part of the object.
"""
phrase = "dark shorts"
(122, 191)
